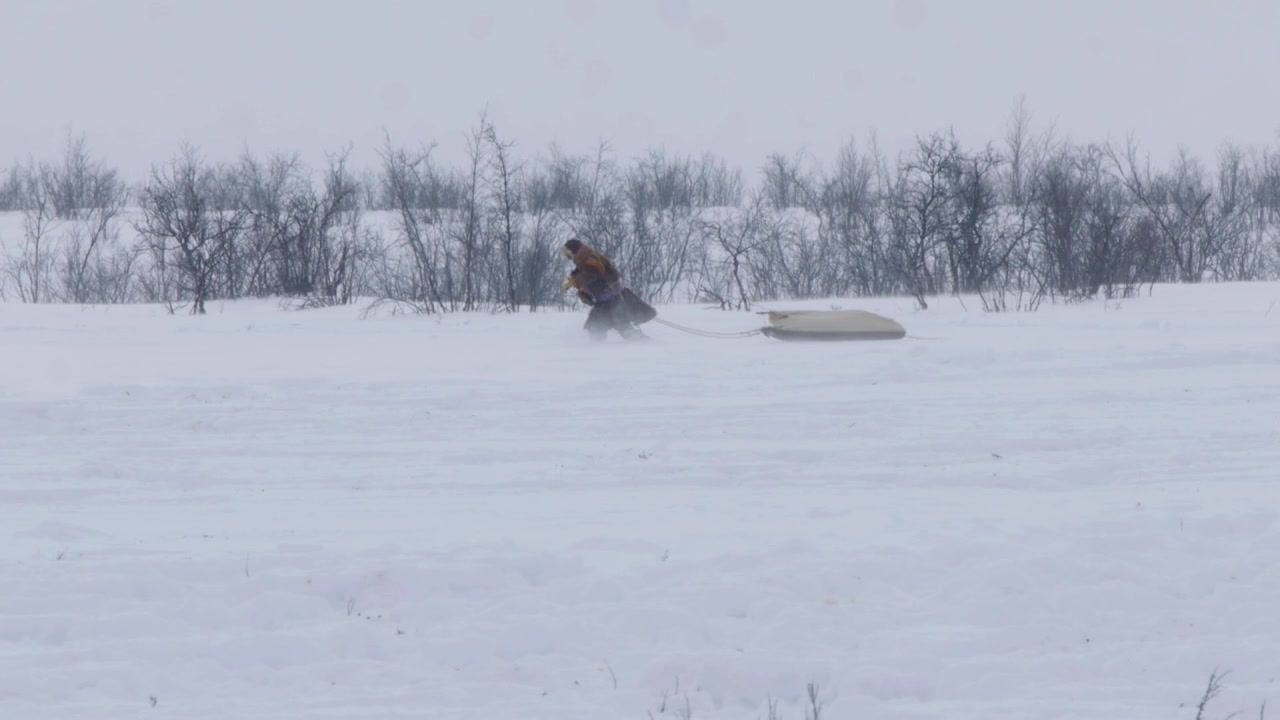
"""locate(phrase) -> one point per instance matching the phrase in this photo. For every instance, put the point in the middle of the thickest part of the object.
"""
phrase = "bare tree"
(181, 217)
(265, 262)
(846, 255)
(31, 267)
(1021, 153)
(714, 184)
(1178, 203)
(602, 222)
(659, 181)
(406, 178)
(786, 183)
(1231, 220)
(81, 182)
(982, 235)
(1267, 208)
(561, 182)
(537, 280)
(644, 218)
(731, 240)
(1114, 258)
(1088, 230)
(311, 260)
(657, 262)
(469, 236)
(340, 241)
(91, 197)
(11, 193)
(504, 182)
(1060, 193)
(792, 261)
(919, 218)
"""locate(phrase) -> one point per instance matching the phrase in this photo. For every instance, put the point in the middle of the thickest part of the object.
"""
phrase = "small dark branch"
(1211, 691)
(815, 706)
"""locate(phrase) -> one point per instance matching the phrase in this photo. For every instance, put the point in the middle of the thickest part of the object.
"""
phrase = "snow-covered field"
(257, 514)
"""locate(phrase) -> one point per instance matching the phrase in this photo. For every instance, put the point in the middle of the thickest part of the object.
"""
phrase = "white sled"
(830, 325)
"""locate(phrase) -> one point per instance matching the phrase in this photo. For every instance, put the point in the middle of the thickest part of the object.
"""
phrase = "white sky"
(741, 78)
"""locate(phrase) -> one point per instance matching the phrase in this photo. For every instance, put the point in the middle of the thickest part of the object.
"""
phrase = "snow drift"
(304, 515)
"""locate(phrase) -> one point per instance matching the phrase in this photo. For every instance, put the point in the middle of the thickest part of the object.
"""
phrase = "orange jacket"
(594, 275)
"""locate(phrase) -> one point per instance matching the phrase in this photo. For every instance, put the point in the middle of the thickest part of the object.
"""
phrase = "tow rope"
(708, 333)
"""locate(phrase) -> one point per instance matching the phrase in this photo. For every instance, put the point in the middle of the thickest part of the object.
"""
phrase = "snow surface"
(266, 514)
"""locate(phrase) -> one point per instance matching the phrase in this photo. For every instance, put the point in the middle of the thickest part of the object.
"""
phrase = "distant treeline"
(1029, 218)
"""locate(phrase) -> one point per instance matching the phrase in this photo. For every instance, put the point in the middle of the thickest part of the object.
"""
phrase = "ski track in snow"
(267, 514)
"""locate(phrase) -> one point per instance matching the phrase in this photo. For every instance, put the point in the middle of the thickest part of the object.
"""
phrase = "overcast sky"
(741, 78)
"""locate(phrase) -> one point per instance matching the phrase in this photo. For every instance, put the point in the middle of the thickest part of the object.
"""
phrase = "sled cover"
(831, 325)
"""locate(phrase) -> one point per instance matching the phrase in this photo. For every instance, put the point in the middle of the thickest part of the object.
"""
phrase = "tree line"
(1014, 222)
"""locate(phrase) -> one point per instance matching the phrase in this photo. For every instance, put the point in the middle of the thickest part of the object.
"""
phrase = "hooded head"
(571, 248)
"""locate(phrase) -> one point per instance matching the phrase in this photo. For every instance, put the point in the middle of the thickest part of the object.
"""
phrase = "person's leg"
(623, 320)
(598, 322)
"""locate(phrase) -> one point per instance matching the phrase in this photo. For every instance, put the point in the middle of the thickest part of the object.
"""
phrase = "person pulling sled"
(599, 284)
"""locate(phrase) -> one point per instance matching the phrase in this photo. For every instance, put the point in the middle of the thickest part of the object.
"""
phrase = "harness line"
(708, 333)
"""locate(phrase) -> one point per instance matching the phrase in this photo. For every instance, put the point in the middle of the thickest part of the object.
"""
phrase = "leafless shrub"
(731, 241)
(91, 197)
(31, 266)
(409, 179)
(1030, 220)
(189, 224)
(918, 214)
(1178, 201)
(300, 239)
(11, 190)
(1243, 214)
(787, 184)
(850, 231)
(1212, 690)
(505, 219)
(814, 711)
(1021, 284)
(983, 236)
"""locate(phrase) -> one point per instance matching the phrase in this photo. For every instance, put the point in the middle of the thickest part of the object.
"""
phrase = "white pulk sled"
(831, 325)
(813, 326)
